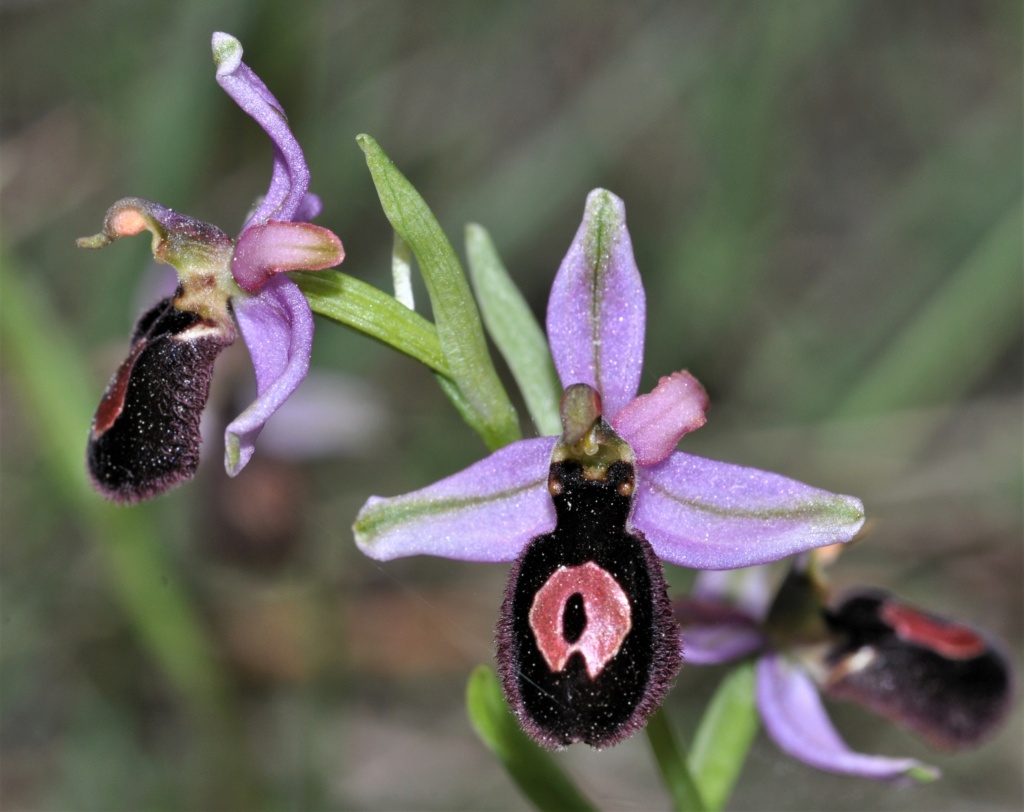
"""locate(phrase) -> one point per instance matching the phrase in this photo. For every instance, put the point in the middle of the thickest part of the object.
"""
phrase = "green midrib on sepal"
(391, 513)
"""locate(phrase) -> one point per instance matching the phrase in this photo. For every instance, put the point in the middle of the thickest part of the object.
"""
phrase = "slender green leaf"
(671, 759)
(455, 314)
(370, 311)
(532, 769)
(724, 736)
(514, 330)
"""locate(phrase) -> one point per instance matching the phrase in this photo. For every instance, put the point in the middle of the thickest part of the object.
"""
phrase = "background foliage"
(825, 200)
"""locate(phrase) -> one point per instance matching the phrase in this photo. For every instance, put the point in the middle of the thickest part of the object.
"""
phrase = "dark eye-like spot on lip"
(145, 434)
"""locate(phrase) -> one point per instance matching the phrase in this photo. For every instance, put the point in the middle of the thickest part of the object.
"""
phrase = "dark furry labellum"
(587, 646)
(935, 676)
(145, 433)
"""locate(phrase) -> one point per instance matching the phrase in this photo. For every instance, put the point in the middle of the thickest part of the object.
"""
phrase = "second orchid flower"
(145, 434)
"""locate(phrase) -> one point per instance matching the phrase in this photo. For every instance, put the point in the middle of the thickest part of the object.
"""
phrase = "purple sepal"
(749, 590)
(290, 178)
(277, 326)
(714, 645)
(597, 308)
(309, 208)
(704, 514)
(795, 718)
(715, 633)
(487, 512)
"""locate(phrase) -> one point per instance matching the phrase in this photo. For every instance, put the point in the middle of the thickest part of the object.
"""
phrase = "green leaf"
(455, 314)
(532, 769)
(672, 763)
(372, 312)
(724, 737)
(515, 331)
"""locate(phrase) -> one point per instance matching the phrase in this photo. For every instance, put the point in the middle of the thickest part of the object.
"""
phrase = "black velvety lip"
(145, 436)
(587, 645)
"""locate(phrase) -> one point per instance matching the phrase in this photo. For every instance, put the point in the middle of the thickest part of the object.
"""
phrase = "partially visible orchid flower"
(518, 502)
(941, 679)
(145, 434)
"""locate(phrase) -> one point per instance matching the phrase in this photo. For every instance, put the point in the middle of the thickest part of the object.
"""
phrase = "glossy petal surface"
(290, 178)
(487, 512)
(654, 423)
(704, 514)
(270, 248)
(795, 718)
(277, 326)
(597, 307)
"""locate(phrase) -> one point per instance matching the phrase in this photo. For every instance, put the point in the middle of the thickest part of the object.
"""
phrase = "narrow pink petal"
(796, 720)
(487, 512)
(270, 248)
(597, 307)
(654, 423)
(277, 326)
(704, 514)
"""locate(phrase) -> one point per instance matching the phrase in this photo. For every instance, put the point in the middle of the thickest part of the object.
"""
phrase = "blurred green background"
(825, 201)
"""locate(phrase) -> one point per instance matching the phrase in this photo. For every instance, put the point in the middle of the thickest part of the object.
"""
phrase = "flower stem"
(672, 762)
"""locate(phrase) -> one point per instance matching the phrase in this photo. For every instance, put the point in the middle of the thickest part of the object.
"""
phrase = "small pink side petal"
(597, 308)
(277, 326)
(273, 247)
(654, 423)
(487, 512)
(795, 718)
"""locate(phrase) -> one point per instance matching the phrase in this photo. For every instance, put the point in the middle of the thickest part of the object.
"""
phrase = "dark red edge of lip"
(949, 639)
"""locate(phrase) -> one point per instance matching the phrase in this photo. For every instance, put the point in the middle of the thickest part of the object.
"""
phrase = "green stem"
(672, 762)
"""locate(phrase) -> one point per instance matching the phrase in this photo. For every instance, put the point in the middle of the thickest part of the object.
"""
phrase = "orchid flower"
(689, 511)
(145, 434)
(941, 679)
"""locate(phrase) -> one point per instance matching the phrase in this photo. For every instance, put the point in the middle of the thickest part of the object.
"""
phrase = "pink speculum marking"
(605, 605)
(948, 639)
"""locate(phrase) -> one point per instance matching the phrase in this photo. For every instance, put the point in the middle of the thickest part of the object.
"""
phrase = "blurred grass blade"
(724, 736)
(672, 763)
(55, 396)
(455, 315)
(958, 334)
(515, 331)
(372, 312)
(532, 769)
